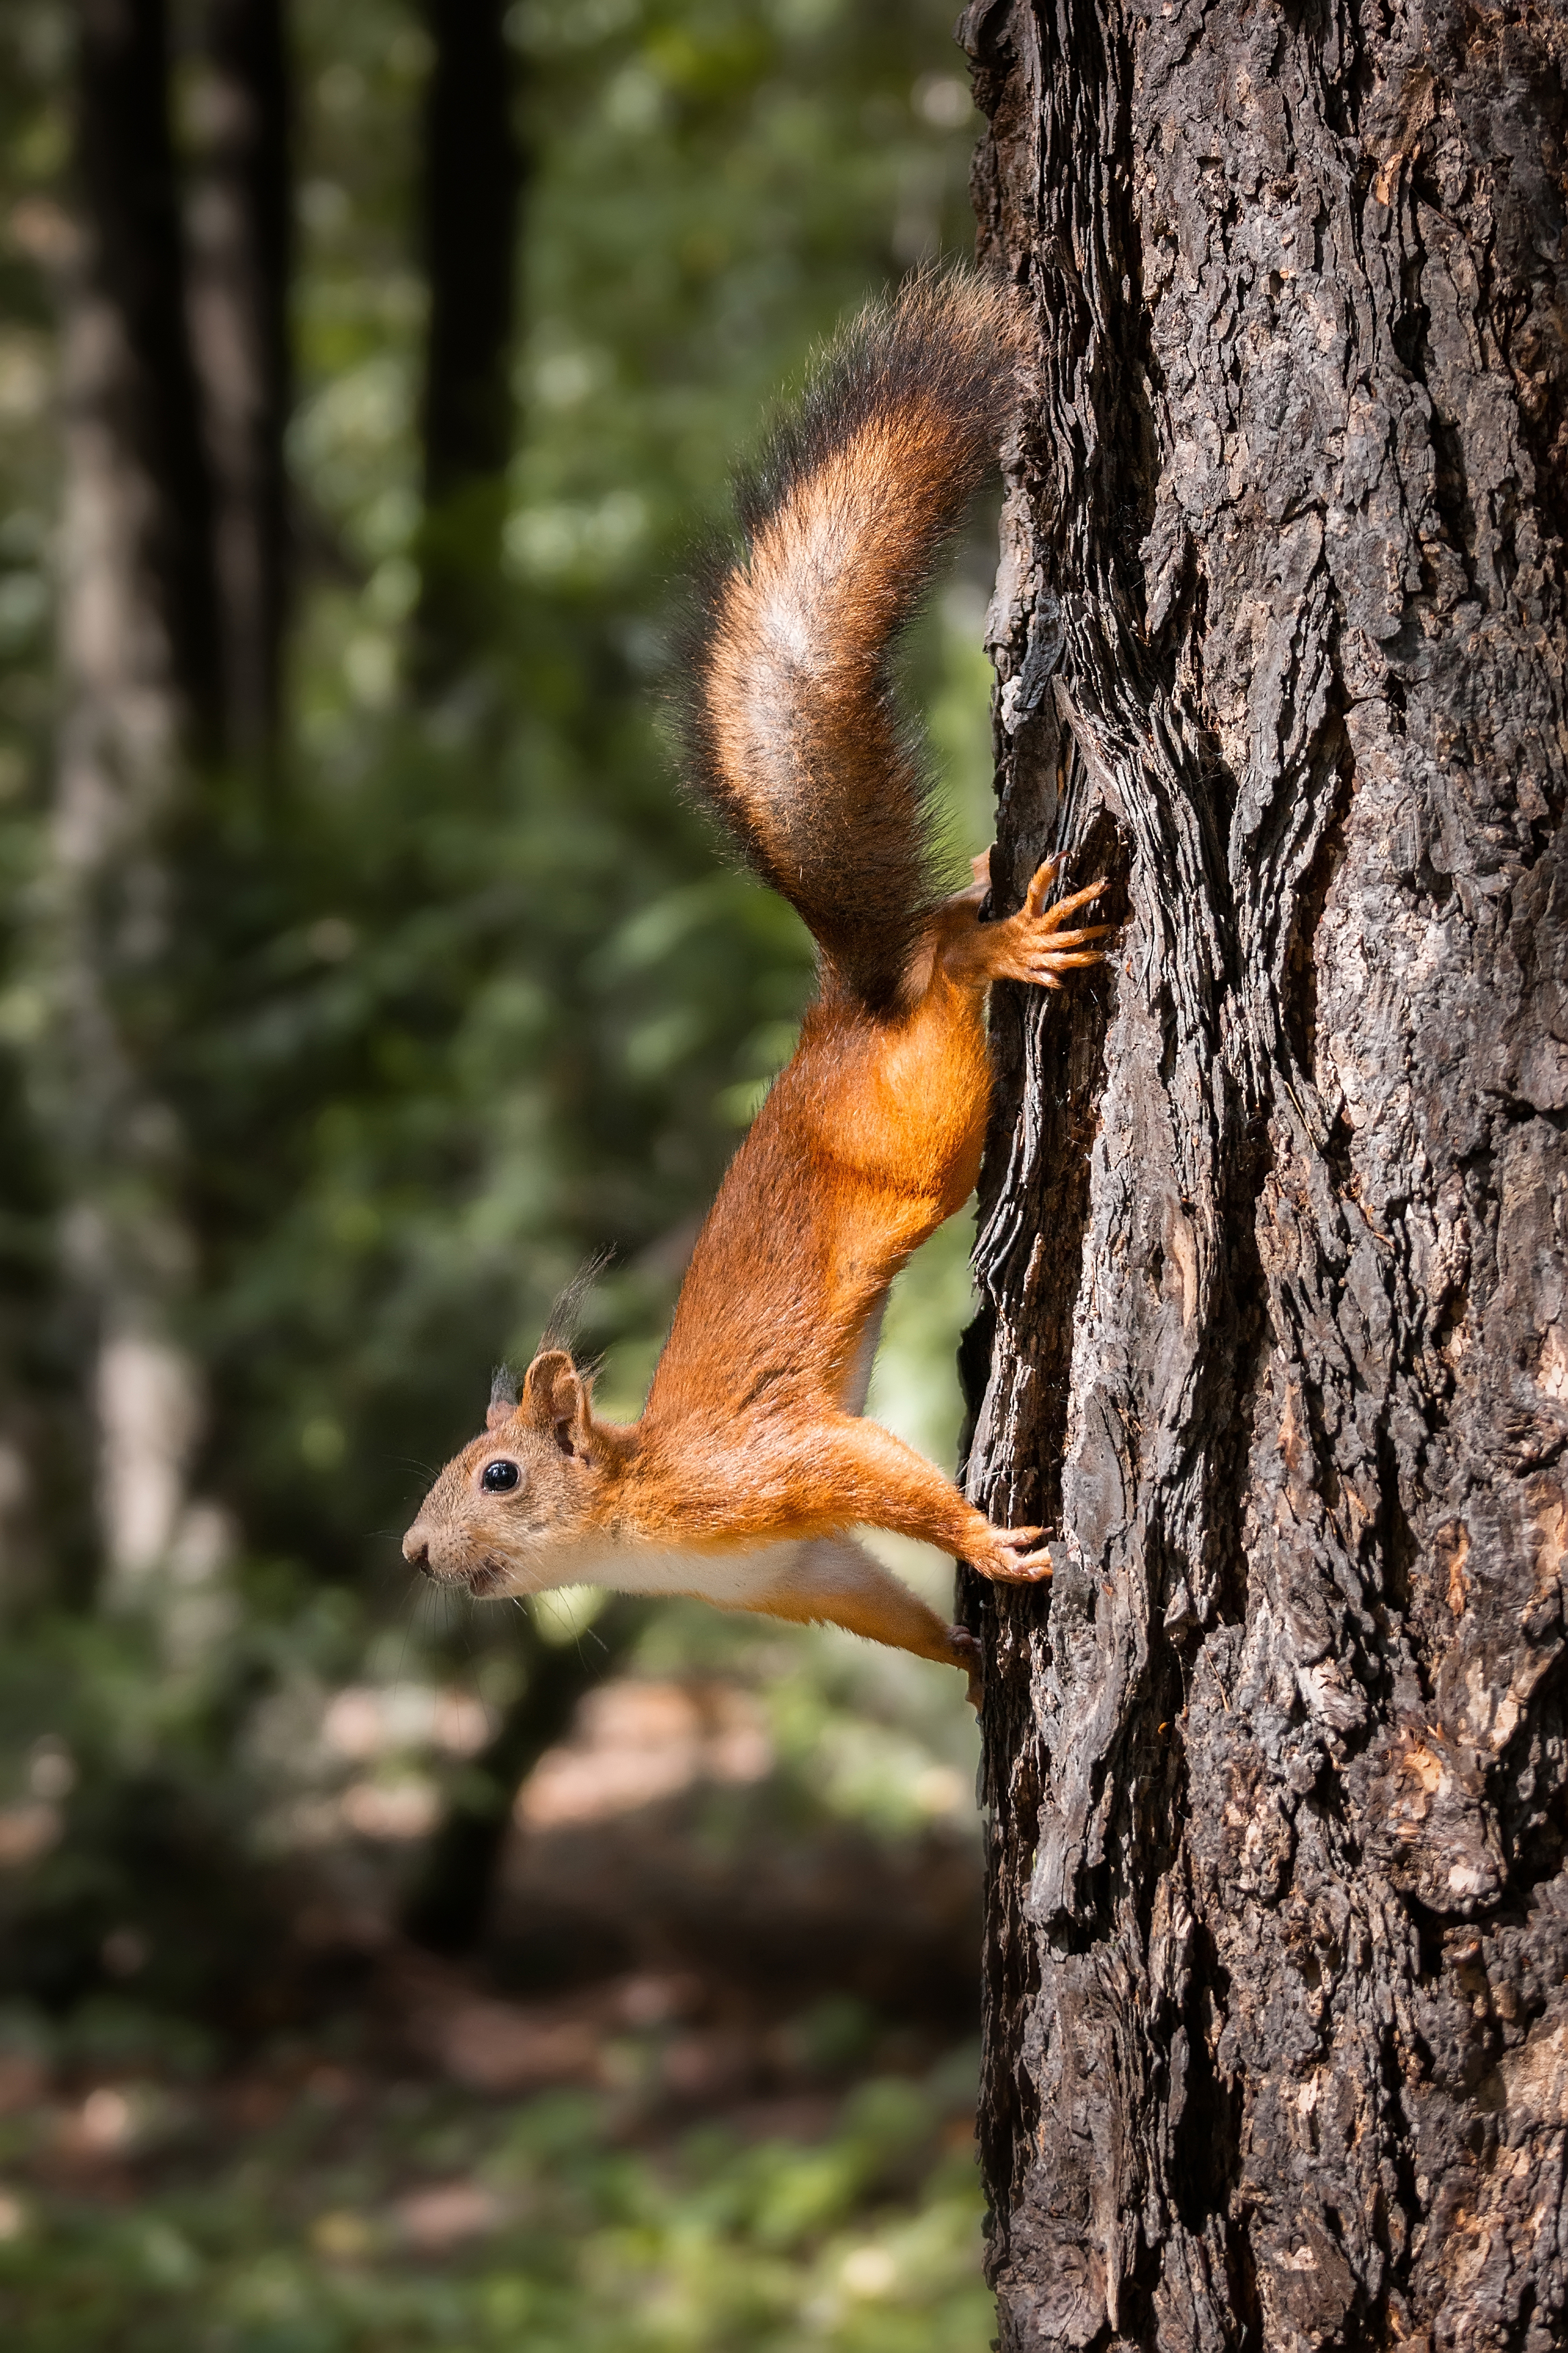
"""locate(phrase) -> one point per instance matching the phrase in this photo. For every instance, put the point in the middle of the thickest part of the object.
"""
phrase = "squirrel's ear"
(503, 1397)
(555, 1398)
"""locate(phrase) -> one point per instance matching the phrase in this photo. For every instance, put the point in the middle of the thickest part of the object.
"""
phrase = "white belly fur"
(732, 1580)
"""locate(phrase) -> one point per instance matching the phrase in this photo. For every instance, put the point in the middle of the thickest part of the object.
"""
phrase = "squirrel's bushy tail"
(792, 731)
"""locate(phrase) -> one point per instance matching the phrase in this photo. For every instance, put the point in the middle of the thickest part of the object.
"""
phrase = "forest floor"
(708, 2086)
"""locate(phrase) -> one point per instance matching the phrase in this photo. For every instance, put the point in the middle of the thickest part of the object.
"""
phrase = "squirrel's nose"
(416, 1549)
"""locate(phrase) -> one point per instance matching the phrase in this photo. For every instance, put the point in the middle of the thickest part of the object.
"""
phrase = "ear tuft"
(503, 1397)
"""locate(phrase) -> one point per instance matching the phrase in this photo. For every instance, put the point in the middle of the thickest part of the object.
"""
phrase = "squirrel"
(752, 1461)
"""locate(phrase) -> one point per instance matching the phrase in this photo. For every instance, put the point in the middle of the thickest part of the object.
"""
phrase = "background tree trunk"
(449, 1905)
(143, 679)
(1273, 1228)
(471, 193)
(241, 251)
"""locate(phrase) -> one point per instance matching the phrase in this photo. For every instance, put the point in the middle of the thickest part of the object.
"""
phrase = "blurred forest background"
(379, 1975)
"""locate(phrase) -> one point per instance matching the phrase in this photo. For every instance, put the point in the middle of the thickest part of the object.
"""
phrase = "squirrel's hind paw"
(1033, 946)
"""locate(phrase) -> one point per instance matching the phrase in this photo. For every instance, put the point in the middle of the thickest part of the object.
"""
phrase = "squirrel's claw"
(968, 1655)
(1035, 905)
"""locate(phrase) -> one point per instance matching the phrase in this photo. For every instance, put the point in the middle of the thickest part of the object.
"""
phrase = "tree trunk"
(141, 677)
(471, 192)
(471, 196)
(142, 384)
(241, 246)
(1273, 1226)
(452, 1897)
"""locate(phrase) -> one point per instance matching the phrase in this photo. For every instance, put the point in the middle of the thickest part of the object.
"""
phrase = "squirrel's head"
(502, 1513)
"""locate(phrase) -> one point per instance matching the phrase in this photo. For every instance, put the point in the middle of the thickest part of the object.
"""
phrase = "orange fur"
(751, 1459)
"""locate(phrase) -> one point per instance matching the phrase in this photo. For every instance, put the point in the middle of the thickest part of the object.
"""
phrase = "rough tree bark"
(1273, 1228)
(471, 195)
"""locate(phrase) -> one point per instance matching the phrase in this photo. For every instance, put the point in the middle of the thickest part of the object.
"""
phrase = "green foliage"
(481, 1002)
(466, 996)
(458, 997)
(308, 2238)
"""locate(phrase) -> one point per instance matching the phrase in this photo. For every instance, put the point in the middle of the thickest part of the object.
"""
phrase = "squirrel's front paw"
(1001, 1558)
(968, 1655)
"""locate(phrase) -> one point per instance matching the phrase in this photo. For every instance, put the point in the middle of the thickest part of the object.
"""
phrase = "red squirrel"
(752, 1461)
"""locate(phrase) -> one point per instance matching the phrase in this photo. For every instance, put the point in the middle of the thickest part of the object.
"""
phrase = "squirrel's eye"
(498, 1478)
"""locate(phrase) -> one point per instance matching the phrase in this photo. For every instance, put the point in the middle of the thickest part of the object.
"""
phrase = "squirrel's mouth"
(490, 1577)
